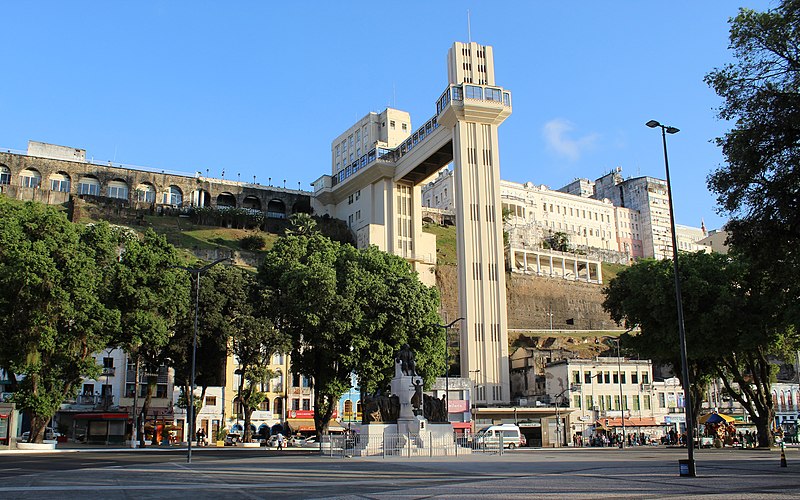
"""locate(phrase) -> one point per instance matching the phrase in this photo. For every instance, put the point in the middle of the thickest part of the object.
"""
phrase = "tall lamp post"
(472, 396)
(691, 471)
(558, 416)
(621, 400)
(196, 272)
(447, 364)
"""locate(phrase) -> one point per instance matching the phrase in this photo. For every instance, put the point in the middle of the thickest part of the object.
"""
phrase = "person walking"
(200, 436)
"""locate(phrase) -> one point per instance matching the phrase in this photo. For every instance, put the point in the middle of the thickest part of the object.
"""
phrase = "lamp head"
(653, 124)
(672, 130)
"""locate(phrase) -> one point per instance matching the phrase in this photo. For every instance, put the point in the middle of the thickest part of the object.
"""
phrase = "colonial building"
(54, 174)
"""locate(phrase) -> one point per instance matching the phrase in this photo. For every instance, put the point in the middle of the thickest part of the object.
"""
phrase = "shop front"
(302, 422)
(100, 428)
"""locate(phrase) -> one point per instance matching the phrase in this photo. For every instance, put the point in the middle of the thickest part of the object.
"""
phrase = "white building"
(690, 239)
(600, 391)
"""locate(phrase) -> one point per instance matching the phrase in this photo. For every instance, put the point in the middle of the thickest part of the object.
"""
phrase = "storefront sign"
(457, 405)
(307, 414)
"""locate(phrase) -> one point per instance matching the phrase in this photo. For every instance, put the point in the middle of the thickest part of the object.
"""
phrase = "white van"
(490, 436)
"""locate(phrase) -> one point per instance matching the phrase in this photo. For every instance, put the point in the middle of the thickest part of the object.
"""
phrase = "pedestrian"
(280, 441)
(200, 436)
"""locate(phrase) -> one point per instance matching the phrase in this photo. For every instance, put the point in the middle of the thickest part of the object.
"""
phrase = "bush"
(253, 242)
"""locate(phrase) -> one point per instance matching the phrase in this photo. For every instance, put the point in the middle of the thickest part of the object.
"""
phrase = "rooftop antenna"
(469, 30)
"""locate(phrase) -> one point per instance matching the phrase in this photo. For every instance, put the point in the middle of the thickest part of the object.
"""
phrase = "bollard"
(783, 456)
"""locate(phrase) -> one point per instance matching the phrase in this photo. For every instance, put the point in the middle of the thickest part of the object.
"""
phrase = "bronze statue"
(408, 365)
(380, 408)
(435, 410)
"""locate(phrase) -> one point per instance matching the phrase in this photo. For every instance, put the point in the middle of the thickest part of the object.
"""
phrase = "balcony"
(90, 401)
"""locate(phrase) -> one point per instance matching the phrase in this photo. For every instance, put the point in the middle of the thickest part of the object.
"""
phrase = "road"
(565, 473)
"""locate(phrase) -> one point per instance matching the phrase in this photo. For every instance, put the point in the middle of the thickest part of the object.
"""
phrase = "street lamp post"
(196, 272)
(679, 302)
(558, 417)
(447, 364)
(621, 400)
(472, 395)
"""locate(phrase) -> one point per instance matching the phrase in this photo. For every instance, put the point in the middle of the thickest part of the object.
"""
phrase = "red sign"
(306, 414)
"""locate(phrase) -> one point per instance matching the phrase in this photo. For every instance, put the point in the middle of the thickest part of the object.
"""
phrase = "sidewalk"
(94, 448)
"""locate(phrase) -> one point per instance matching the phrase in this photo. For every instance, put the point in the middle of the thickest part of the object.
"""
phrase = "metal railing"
(423, 444)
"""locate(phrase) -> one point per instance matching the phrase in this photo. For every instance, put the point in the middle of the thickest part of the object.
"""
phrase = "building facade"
(54, 174)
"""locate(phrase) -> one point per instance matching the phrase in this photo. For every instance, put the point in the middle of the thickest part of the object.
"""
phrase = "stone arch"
(226, 199)
(201, 198)
(277, 405)
(30, 177)
(5, 174)
(276, 209)
(117, 189)
(146, 193)
(89, 184)
(173, 196)
(251, 202)
(428, 219)
(301, 206)
(60, 181)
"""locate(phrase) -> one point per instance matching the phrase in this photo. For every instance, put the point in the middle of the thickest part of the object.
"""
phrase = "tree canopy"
(759, 183)
(732, 326)
(51, 284)
(347, 311)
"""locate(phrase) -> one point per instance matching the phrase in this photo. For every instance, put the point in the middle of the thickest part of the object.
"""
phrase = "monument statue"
(408, 365)
(381, 408)
(435, 410)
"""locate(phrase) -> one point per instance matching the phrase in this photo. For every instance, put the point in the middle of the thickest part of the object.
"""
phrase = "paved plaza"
(526, 473)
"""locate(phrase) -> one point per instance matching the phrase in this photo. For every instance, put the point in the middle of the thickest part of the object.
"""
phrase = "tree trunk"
(323, 411)
(38, 425)
(244, 407)
(248, 434)
(152, 380)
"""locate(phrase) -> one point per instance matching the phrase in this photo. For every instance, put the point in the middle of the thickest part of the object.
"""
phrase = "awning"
(461, 425)
(101, 416)
(307, 425)
(715, 418)
(631, 422)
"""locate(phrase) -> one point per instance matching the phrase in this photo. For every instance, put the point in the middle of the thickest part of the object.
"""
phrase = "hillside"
(531, 300)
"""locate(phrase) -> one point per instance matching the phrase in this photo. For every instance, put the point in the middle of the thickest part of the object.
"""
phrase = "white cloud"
(556, 133)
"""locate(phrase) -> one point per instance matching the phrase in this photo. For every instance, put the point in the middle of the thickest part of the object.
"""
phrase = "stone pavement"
(565, 473)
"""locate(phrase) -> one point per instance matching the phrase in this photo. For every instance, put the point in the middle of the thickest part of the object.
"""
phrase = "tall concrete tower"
(473, 107)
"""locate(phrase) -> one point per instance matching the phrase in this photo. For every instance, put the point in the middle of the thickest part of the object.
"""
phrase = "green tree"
(53, 318)
(759, 182)
(396, 309)
(348, 311)
(223, 296)
(302, 224)
(731, 325)
(254, 343)
(151, 295)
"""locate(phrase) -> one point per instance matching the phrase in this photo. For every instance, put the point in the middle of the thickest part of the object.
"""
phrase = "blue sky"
(261, 88)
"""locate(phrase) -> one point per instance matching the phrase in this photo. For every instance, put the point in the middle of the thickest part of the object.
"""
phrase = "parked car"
(232, 438)
(49, 434)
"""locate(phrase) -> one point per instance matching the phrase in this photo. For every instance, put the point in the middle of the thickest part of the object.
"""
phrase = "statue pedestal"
(411, 435)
